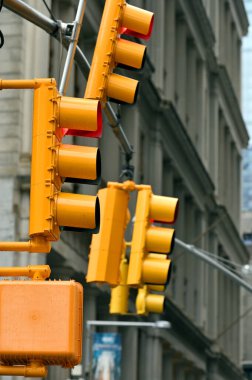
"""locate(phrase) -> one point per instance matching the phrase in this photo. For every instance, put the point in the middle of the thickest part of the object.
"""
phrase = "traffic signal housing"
(54, 162)
(42, 324)
(151, 244)
(107, 246)
(111, 51)
(149, 265)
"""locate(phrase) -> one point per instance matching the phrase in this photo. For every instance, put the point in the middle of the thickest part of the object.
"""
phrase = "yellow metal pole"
(36, 272)
(37, 244)
(6, 84)
(32, 370)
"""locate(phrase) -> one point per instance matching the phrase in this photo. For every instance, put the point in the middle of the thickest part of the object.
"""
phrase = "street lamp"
(158, 325)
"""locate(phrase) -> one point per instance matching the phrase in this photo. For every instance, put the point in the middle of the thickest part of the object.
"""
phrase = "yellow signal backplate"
(45, 182)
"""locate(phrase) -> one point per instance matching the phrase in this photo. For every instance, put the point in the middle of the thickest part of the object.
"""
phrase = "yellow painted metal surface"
(48, 325)
(36, 272)
(155, 269)
(138, 239)
(159, 239)
(163, 209)
(52, 162)
(129, 53)
(120, 294)
(44, 181)
(117, 17)
(69, 154)
(138, 20)
(149, 303)
(35, 369)
(122, 89)
(148, 238)
(79, 114)
(77, 211)
(107, 246)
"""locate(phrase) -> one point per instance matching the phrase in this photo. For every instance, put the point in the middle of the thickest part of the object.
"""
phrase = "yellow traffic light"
(54, 162)
(147, 302)
(107, 246)
(111, 51)
(150, 243)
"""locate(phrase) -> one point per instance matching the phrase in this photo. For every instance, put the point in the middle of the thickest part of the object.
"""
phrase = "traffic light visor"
(149, 303)
(81, 117)
(80, 164)
(160, 239)
(156, 269)
(155, 303)
(78, 211)
(137, 22)
(130, 54)
(122, 89)
(163, 209)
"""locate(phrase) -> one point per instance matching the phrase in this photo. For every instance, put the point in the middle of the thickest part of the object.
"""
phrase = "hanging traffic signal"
(107, 246)
(150, 243)
(54, 162)
(111, 51)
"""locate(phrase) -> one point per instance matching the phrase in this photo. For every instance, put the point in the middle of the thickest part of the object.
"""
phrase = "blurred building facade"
(246, 220)
(188, 135)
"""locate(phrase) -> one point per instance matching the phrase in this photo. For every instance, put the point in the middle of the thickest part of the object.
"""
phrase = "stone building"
(188, 133)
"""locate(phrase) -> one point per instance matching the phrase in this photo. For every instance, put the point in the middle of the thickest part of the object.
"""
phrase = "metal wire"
(49, 10)
(1, 33)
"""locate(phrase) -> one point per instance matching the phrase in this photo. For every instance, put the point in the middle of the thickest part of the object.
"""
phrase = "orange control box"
(41, 321)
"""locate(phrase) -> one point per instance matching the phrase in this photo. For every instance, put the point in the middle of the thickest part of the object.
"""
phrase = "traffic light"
(147, 302)
(120, 294)
(42, 325)
(107, 246)
(111, 51)
(156, 270)
(150, 243)
(54, 162)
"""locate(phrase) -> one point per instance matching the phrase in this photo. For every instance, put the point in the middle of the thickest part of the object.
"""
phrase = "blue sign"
(107, 348)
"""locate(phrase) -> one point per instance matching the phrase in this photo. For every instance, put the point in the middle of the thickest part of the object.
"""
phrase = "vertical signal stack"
(149, 265)
(53, 163)
(111, 51)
